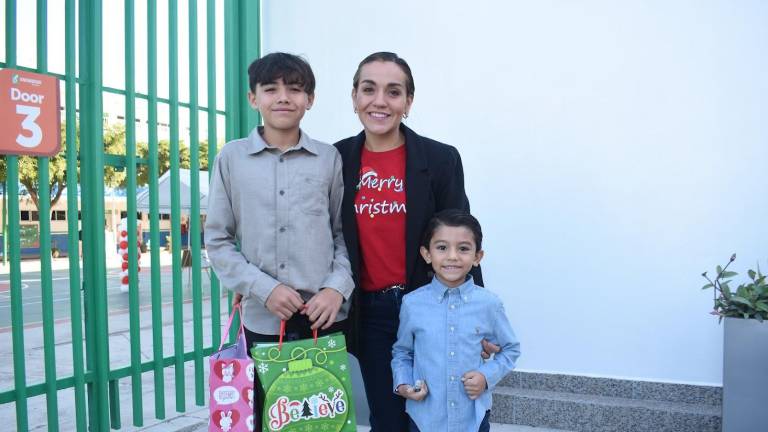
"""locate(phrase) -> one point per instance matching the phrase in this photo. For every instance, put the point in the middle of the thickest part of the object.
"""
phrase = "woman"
(394, 182)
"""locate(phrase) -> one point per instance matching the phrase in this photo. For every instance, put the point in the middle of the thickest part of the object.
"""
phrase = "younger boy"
(434, 361)
(277, 194)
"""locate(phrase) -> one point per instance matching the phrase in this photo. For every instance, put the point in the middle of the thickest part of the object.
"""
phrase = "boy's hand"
(488, 349)
(237, 299)
(322, 308)
(409, 392)
(474, 384)
(284, 301)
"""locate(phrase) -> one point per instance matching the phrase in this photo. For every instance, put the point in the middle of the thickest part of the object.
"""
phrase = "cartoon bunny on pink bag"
(225, 423)
(227, 372)
(231, 386)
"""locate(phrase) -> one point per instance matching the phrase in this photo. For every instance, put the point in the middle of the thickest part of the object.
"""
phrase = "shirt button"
(282, 229)
(451, 328)
(282, 192)
(453, 378)
(451, 353)
(453, 307)
(282, 266)
(453, 404)
(465, 298)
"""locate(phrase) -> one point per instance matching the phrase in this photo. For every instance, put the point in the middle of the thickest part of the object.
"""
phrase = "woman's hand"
(410, 392)
(488, 349)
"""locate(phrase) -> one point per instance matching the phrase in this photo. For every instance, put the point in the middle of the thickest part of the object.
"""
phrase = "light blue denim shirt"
(439, 341)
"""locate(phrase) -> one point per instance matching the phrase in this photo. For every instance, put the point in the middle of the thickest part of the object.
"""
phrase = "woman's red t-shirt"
(380, 212)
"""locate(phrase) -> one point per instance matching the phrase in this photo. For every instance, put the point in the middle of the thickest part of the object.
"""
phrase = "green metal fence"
(93, 382)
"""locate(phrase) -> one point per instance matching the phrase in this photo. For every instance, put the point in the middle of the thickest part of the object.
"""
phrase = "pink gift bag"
(231, 385)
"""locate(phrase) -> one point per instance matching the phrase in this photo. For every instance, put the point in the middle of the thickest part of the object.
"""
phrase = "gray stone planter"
(745, 375)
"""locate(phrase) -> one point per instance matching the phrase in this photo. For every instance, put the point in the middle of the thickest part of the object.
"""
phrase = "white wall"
(613, 151)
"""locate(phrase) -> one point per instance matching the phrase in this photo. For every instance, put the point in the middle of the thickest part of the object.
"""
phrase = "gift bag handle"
(236, 308)
(282, 333)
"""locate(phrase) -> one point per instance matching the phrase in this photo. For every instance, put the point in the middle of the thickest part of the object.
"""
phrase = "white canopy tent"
(164, 192)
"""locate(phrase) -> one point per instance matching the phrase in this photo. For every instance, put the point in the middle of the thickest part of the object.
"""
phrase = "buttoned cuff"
(492, 372)
(402, 377)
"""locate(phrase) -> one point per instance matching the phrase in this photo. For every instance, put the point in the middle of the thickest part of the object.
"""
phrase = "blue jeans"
(485, 425)
(379, 318)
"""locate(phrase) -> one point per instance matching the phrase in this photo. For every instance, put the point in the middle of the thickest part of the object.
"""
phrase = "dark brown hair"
(453, 218)
(291, 68)
(385, 56)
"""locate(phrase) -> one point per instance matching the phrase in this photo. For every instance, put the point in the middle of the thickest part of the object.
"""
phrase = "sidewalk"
(119, 353)
(32, 265)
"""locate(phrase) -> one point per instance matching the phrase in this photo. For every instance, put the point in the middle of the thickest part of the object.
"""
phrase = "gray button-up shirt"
(284, 209)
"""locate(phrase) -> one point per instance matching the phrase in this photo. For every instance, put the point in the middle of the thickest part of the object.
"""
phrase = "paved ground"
(119, 343)
(117, 300)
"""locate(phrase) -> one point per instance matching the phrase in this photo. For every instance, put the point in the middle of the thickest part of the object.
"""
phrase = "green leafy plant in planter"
(745, 348)
(748, 301)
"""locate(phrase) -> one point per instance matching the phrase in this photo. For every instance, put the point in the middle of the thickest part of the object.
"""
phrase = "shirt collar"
(440, 291)
(256, 143)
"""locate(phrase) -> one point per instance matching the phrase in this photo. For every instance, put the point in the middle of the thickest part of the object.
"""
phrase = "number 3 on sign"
(31, 114)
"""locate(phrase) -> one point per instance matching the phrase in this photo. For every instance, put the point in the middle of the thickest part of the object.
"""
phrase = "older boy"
(278, 195)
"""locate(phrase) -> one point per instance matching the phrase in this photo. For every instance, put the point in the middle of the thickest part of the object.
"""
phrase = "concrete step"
(605, 405)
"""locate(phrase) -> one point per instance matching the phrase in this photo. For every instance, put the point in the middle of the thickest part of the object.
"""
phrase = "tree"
(164, 158)
(204, 155)
(114, 143)
(28, 172)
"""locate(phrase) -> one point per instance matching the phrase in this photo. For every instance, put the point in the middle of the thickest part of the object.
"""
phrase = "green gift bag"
(307, 386)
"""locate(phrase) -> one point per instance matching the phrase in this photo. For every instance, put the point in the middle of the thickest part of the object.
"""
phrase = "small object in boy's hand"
(418, 385)
(412, 392)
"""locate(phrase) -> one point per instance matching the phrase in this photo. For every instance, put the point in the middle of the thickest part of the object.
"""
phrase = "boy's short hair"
(291, 68)
(453, 218)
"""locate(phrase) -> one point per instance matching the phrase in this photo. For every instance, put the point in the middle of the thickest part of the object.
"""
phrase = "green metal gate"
(93, 381)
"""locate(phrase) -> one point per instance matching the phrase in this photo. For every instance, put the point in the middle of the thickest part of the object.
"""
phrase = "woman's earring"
(355, 110)
(405, 115)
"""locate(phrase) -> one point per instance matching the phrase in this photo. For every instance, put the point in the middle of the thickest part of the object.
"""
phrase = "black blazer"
(434, 181)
